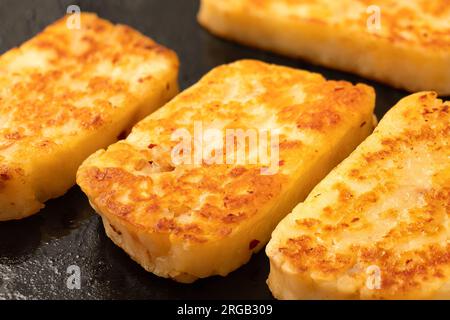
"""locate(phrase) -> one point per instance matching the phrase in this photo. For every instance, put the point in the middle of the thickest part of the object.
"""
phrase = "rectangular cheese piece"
(377, 226)
(66, 93)
(403, 43)
(207, 214)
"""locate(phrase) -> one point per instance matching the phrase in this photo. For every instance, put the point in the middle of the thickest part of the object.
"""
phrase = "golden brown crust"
(419, 22)
(41, 98)
(210, 201)
(387, 205)
(65, 93)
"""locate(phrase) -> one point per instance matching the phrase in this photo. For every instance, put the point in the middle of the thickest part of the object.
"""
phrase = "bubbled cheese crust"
(66, 93)
(412, 33)
(190, 221)
(384, 208)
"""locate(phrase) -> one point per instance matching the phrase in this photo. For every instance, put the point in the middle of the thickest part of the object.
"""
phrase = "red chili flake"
(252, 245)
(101, 175)
(423, 97)
(281, 162)
(445, 109)
(5, 176)
(152, 145)
(122, 135)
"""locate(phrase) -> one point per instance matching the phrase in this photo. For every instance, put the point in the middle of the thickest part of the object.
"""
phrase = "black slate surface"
(36, 252)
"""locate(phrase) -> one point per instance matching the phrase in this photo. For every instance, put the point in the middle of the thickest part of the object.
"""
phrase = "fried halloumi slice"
(377, 226)
(65, 94)
(196, 218)
(385, 40)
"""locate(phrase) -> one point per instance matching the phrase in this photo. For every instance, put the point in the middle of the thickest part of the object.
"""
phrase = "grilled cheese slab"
(385, 40)
(377, 226)
(193, 219)
(66, 93)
